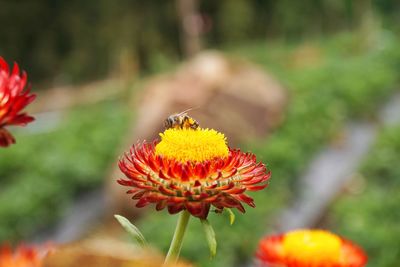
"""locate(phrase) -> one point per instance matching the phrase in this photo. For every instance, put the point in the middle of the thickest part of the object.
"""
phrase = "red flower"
(309, 248)
(13, 98)
(22, 257)
(168, 174)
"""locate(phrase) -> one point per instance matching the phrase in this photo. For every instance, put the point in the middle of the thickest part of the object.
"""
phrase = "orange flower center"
(312, 247)
(192, 145)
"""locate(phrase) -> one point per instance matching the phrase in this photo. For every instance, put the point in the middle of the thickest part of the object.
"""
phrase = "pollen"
(192, 145)
(318, 246)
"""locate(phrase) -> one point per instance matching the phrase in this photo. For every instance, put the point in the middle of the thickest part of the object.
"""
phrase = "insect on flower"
(188, 171)
(191, 169)
(13, 99)
(180, 121)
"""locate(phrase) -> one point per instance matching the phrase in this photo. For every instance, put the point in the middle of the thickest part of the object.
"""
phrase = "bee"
(181, 121)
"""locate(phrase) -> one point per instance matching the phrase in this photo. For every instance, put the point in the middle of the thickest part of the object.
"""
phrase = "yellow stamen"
(312, 246)
(192, 145)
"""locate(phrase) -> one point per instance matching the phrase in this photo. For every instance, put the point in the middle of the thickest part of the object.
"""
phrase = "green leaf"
(210, 236)
(231, 215)
(131, 229)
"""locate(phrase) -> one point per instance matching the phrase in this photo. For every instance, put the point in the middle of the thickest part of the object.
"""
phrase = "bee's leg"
(178, 123)
(185, 122)
(195, 125)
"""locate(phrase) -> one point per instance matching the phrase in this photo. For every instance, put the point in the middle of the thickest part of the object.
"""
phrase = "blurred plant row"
(140, 36)
(41, 177)
(371, 216)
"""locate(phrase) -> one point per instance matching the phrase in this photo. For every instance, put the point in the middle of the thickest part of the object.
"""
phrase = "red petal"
(256, 187)
(173, 209)
(139, 194)
(246, 199)
(142, 202)
(6, 138)
(161, 205)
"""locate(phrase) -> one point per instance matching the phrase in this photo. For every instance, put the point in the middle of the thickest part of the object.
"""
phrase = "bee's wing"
(186, 111)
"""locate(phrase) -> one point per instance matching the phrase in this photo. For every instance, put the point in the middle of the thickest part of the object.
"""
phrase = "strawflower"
(13, 99)
(23, 256)
(309, 248)
(190, 171)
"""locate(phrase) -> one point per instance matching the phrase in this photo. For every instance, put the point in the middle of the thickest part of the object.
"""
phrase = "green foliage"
(322, 96)
(235, 20)
(85, 40)
(132, 230)
(371, 217)
(210, 236)
(42, 173)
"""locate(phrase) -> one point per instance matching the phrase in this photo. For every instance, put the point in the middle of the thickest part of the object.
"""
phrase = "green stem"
(176, 243)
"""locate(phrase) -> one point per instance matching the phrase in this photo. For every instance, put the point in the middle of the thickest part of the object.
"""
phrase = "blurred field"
(335, 72)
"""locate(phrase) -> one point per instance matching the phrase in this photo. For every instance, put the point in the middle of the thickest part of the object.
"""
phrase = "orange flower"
(192, 170)
(309, 248)
(13, 99)
(22, 257)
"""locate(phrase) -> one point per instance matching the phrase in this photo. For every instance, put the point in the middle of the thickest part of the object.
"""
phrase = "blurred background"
(312, 87)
